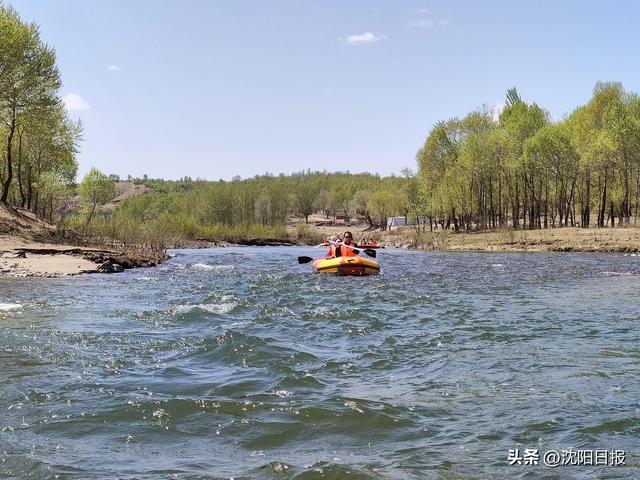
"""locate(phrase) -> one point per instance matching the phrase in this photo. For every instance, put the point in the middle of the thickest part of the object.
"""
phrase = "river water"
(241, 363)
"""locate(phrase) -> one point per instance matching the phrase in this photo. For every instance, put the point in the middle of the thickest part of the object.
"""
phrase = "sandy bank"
(46, 266)
(22, 258)
(551, 240)
(31, 247)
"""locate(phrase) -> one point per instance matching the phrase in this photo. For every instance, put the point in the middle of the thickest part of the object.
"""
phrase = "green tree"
(323, 202)
(380, 205)
(520, 121)
(96, 189)
(47, 141)
(305, 200)
(551, 153)
(29, 80)
(52, 190)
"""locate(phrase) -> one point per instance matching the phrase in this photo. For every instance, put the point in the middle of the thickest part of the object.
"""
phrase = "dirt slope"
(21, 224)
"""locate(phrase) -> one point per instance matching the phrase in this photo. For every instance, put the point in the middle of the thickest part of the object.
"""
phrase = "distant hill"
(124, 191)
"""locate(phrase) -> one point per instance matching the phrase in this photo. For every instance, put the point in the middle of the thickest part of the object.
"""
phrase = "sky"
(213, 89)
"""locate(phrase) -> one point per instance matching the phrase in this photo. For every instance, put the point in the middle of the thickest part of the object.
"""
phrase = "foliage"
(95, 189)
(37, 139)
(263, 206)
(524, 171)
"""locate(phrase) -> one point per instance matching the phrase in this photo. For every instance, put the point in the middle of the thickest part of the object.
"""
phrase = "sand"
(14, 262)
(29, 246)
(45, 266)
(22, 258)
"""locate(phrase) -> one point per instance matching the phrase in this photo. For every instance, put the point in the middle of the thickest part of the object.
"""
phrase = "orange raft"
(353, 266)
(369, 245)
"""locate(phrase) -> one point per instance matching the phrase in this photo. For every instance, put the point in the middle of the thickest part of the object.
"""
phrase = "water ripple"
(201, 369)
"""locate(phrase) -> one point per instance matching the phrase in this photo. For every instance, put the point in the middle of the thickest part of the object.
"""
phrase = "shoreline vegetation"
(53, 260)
(513, 181)
(31, 247)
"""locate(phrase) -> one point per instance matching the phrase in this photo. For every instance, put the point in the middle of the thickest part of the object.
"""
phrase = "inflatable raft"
(354, 266)
(369, 245)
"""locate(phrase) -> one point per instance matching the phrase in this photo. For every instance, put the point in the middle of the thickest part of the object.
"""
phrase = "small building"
(404, 221)
(396, 222)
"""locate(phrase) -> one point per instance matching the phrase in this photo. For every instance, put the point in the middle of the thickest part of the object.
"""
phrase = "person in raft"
(340, 248)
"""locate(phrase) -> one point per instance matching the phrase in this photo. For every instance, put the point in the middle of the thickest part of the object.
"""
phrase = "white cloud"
(113, 68)
(366, 37)
(75, 103)
(425, 18)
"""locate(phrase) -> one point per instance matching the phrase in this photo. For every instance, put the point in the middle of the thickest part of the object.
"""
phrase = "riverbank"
(619, 239)
(19, 258)
(552, 240)
(600, 240)
(30, 247)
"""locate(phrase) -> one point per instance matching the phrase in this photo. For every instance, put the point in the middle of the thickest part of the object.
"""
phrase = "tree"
(380, 205)
(305, 200)
(96, 189)
(361, 205)
(513, 97)
(340, 200)
(323, 202)
(52, 189)
(551, 153)
(519, 122)
(29, 80)
(47, 141)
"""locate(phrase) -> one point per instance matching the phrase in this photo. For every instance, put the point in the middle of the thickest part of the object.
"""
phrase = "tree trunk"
(93, 209)
(23, 198)
(603, 201)
(368, 217)
(586, 210)
(7, 183)
(612, 215)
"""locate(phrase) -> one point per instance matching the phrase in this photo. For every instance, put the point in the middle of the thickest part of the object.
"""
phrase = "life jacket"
(349, 252)
(341, 251)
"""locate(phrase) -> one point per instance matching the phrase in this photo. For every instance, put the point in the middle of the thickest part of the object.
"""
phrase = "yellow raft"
(354, 266)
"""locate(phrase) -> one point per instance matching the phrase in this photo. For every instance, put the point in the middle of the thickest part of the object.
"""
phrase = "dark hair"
(348, 234)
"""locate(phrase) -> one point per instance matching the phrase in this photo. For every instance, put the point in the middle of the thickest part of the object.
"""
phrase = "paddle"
(368, 251)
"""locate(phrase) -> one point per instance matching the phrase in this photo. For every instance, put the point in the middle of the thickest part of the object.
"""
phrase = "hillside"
(19, 224)
(124, 191)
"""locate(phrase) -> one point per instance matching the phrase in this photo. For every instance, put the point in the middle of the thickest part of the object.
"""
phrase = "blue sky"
(213, 89)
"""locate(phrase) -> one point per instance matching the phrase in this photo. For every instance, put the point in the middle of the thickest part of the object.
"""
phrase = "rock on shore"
(37, 260)
(31, 247)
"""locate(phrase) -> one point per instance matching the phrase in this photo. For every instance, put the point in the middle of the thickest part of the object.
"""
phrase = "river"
(240, 363)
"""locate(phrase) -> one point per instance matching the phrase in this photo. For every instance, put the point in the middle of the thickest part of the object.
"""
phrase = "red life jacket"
(337, 250)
